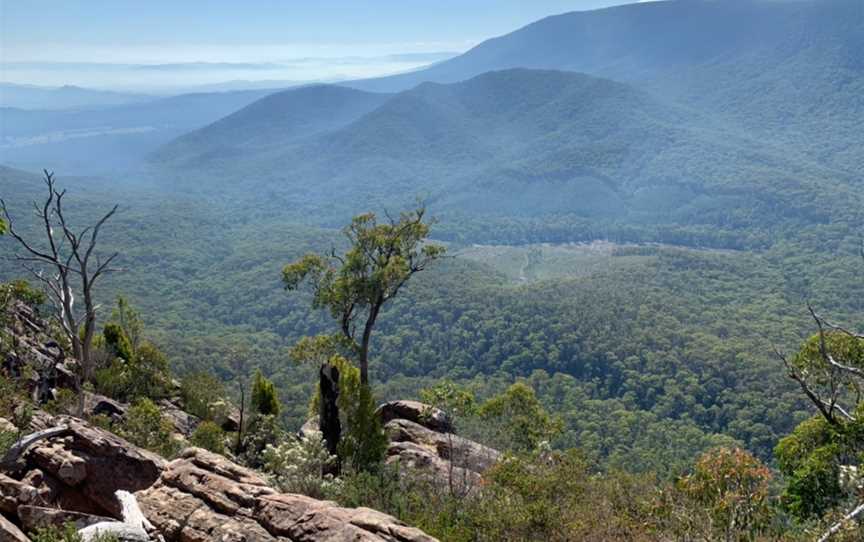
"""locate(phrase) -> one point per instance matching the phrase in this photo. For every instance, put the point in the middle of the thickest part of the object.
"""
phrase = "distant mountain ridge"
(65, 97)
(277, 119)
(522, 144)
(783, 68)
(646, 41)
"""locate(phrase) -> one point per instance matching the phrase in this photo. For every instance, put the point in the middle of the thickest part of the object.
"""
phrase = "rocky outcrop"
(447, 459)
(83, 474)
(183, 422)
(85, 467)
(33, 356)
(203, 496)
(17, 493)
(99, 405)
(422, 443)
(65, 470)
(417, 412)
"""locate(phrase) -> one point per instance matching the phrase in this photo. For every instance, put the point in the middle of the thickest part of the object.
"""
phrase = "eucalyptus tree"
(355, 286)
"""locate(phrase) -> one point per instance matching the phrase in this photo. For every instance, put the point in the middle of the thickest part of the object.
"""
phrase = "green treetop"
(356, 285)
(264, 399)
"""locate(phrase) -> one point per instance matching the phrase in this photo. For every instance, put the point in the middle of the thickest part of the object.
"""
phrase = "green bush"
(65, 402)
(117, 342)
(7, 439)
(517, 421)
(364, 444)
(261, 432)
(67, 533)
(264, 398)
(199, 392)
(301, 465)
(145, 426)
(810, 458)
(209, 436)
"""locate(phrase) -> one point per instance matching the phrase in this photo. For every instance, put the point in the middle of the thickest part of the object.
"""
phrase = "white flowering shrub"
(300, 466)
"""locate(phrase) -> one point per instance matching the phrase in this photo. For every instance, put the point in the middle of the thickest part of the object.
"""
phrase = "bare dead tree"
(239, 360)
(65, 262)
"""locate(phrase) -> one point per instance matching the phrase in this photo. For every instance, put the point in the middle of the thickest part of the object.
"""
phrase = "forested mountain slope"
(272, 122)
(517, 145)
(783, 68)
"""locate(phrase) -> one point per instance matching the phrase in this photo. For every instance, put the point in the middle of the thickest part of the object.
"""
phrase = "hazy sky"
(254, 39)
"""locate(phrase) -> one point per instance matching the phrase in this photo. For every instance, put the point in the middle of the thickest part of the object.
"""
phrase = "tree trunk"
(328, 419)
(237, 449)
(367, 338)
(364, 364)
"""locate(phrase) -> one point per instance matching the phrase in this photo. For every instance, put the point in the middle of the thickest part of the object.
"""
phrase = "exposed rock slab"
(463, 452)
(417, 412)
(10, 533)
(14, 493)
(183, 422)
(202, 496)
(96, 463)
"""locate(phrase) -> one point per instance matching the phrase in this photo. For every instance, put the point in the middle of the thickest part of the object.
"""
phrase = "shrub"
(262, 431)
(300, 466)
(517, 421)
(364, 444)
(199, 391)
(149, 373)
(264, 398)
(22, 291)
(116, 341)
(731, 487)
(65, 402)
(209, 436)
(810, 458)
(7, 439)
(67, 533)
(145, 426)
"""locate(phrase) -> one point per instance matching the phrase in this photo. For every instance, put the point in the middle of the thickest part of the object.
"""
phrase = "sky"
(159, 44)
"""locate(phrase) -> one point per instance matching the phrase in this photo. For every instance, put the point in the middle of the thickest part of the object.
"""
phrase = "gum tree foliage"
(731, 490)
(355, 286)
(821, 459)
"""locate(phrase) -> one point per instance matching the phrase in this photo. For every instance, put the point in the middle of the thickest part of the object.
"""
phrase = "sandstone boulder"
(462, 451)
(454, 462)
(203, 496)
(96, 464)
(99, 405)
(417, 412)
(7, 427)
(15, 493)
(183, 422)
